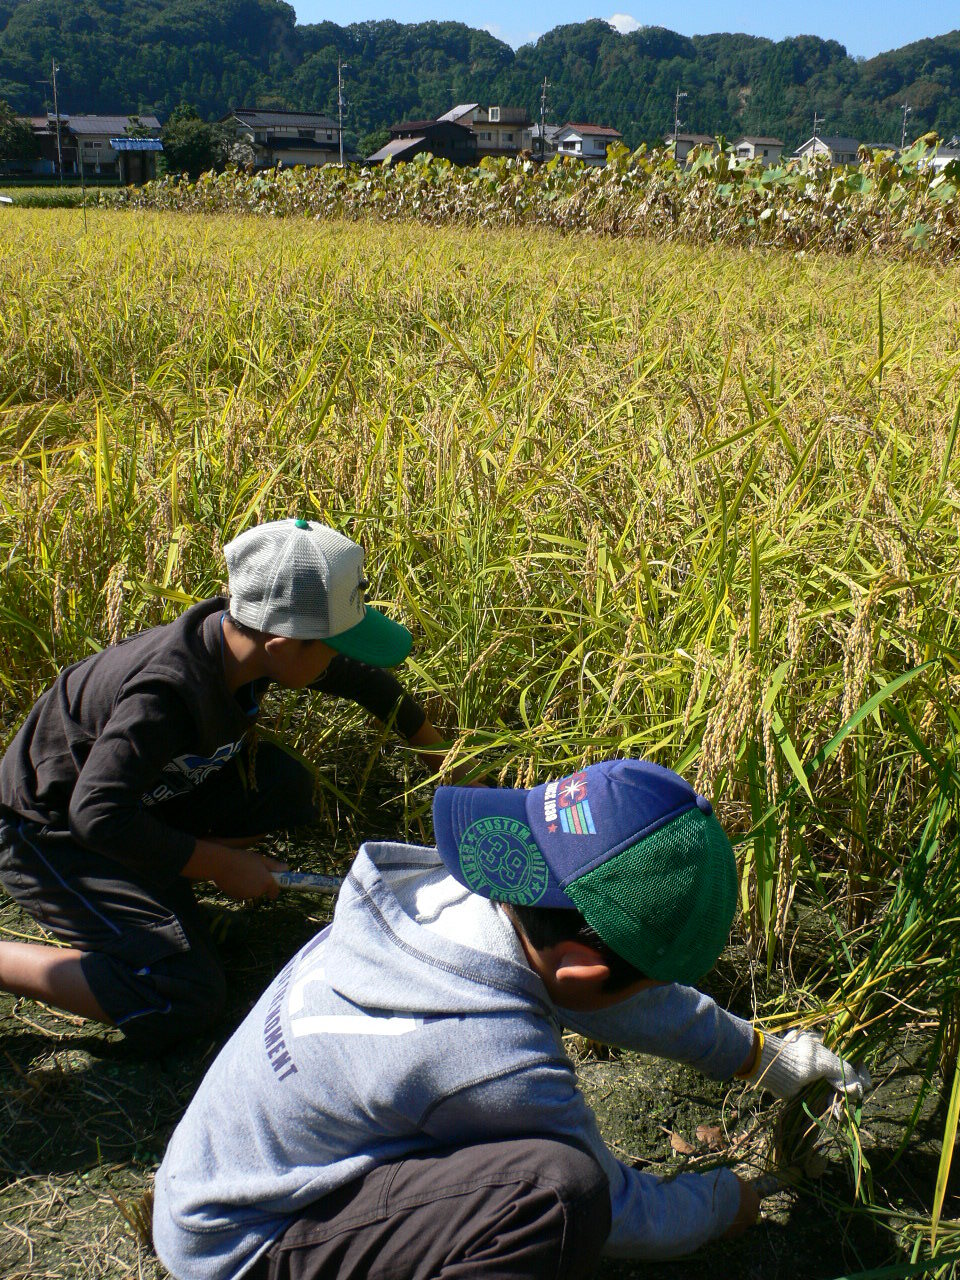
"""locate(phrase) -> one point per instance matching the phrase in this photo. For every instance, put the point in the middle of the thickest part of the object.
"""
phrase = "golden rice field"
(697, 504)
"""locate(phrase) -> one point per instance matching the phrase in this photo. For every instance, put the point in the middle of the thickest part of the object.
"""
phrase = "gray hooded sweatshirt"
(415, 1022)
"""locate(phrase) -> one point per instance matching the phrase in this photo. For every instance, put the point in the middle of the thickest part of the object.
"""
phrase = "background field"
(694, 504)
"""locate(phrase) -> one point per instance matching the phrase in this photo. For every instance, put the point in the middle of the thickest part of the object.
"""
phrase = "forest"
(139, 55)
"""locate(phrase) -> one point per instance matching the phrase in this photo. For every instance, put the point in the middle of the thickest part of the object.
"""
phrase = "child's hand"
(243, 873)
(790, 1062)
(747, 1213)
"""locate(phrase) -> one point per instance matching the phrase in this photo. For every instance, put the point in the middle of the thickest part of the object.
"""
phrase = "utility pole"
(543, 112)
(906, 109)
(817, 122)
(56, 112)
(341, 67)
(83, 183)
(676, 116)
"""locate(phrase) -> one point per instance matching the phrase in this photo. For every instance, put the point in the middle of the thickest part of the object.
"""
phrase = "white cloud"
(624, 23)
(513, 38)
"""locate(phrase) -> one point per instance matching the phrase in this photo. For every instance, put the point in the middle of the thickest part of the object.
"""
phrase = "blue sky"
(865, 27)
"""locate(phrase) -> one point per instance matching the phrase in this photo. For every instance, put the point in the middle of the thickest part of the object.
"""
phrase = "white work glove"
(790, 1062)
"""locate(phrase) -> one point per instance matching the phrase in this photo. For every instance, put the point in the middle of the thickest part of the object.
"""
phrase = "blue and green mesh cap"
(627, 843)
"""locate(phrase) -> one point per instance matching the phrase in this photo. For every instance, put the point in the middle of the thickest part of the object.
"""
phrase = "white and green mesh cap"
(627, 843)
(302, 579)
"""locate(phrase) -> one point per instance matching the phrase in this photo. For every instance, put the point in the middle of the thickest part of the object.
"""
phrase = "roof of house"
(833, 143)
(264, 119)
(425, 126)
(550, 131)
(601, 130)
(706, 139)
(881, 146)
(758, 141)
(395, 148)
(461, 109)
(110, 125)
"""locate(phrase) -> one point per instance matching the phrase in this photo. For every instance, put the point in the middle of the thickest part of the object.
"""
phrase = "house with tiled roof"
(587, 142)
(757, 147)
(500, 131)
(445, 139)
(108, 147)
(285, 137)
(840, 150)
(684, 143)
(546, 147)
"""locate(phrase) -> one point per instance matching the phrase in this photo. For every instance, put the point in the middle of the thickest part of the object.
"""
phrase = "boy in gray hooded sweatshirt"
(399, 1104)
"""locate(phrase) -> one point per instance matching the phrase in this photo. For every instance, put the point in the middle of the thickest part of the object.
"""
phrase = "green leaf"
(946, 1154)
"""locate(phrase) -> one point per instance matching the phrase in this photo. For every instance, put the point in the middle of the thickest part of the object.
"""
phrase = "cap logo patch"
(356, 596)
(500, 858)
(565, 804)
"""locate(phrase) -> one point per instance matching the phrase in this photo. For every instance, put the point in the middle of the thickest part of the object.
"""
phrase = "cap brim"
(484, 837)
(376, 640)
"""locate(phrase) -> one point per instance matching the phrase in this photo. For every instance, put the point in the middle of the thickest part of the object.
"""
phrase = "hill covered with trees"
(129, 55)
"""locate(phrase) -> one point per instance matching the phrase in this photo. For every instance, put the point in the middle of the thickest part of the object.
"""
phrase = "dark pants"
(148, 955)
(532, 1208)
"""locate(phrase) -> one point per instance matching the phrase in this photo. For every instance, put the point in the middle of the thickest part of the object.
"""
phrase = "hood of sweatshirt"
(418, 993)
(407, 937)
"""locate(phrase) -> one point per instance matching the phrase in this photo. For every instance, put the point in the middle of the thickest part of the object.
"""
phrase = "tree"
(373, 141)
(192, 145)
(17, 141)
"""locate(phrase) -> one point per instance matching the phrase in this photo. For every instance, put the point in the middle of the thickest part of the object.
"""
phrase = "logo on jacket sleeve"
(500, 859)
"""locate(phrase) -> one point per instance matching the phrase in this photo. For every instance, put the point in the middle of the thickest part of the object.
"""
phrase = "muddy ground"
(83, 1126)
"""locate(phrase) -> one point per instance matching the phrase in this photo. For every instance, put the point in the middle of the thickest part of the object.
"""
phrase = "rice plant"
(696, 504)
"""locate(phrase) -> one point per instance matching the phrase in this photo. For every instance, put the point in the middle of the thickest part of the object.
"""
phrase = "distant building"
(685, 143)
(442, 138)
(136, 159)
(881, 147)
(100, 144)
(749, 147)
(500, 131)
(551, 133)
(462, 113)
(45, 164)
(109, 147)
(285, 137)
(587, 142)
(942, 157)
(840, 150)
